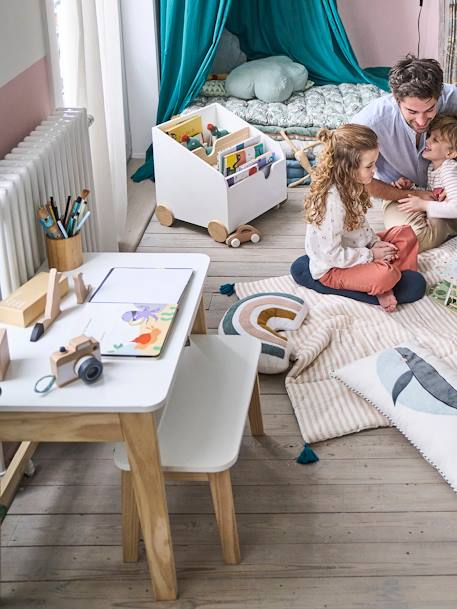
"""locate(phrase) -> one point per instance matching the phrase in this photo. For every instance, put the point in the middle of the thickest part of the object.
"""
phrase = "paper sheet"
(142, 285)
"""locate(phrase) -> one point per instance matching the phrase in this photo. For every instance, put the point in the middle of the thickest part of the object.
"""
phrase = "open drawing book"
(133, 309)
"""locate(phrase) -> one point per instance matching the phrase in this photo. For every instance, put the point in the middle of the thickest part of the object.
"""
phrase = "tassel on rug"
(3, 512)
(307, 455)
(227, 288)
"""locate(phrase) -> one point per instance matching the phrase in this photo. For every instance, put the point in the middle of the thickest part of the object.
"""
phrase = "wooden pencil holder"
(64, 254)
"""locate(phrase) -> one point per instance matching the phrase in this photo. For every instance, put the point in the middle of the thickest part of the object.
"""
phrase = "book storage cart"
(189, 186)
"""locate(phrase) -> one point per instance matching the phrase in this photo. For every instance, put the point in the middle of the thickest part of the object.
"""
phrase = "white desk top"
(128, 384)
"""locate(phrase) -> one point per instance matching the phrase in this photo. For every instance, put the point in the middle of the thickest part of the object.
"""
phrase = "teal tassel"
(3, 511)
(227, 288)
(307, 455)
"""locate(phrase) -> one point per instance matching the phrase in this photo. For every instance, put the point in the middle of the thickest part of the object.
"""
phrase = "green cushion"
(272, 79)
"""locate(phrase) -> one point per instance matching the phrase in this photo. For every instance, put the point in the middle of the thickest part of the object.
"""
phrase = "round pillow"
(261, 315)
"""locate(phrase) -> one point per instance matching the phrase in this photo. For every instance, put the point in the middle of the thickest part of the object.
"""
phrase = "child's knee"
(386, 277)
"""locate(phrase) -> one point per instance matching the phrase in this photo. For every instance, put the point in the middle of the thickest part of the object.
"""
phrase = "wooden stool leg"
(222, 494)
(130, 520)
(255, 412)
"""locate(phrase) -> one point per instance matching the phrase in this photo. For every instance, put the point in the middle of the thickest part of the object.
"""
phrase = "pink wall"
(24, 103)
(383, 31)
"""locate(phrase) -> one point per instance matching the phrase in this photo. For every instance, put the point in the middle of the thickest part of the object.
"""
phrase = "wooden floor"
(371, 526)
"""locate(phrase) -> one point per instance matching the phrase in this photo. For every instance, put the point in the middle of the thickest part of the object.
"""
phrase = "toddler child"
(441, 150)
(344, 252)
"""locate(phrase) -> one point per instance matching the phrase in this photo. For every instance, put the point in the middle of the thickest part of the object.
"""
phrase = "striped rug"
(338, 331)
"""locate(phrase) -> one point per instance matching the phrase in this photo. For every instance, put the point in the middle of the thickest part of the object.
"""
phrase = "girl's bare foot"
(387, 301)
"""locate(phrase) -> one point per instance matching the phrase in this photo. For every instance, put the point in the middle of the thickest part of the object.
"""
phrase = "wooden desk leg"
(140, 435)
(199, 326)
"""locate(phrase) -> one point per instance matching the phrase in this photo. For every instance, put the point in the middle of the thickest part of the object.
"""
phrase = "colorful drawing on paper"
(142, 330)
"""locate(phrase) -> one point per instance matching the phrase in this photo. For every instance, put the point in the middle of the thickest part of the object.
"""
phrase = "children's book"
(245, 144)
(192, 127)
(256, 165)
(235, 159)
(260, 161)
(135, 309)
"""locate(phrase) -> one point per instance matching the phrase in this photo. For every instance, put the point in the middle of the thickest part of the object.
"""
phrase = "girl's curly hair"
(338, 163)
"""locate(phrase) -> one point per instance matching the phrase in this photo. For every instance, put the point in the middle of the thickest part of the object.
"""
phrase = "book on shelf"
(251, 168)
(240, 146)
(192, 127)
(236, 159)
(133, 309)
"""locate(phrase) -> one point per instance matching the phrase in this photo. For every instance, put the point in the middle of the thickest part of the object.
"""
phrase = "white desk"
(118, 407)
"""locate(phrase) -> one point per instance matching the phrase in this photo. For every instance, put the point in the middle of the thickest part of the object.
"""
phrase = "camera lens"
(89, 369)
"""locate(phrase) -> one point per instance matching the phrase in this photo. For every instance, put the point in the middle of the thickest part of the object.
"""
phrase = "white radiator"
(54, 160)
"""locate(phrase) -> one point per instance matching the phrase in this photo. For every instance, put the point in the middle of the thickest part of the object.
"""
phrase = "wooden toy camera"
(79, 359)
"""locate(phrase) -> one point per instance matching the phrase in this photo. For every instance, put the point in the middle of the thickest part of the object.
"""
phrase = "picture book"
(139, 330)
(232, 161)
(245, 144)
(259, 163)
(135, 309)
(192, 127)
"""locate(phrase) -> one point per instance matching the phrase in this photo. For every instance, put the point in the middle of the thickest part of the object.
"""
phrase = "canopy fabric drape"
(190, 31)
(308, 31)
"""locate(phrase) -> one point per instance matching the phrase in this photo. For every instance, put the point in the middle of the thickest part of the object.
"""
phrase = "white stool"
(201, 429)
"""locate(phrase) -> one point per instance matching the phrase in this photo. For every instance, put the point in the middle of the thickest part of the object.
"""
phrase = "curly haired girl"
(344, 252)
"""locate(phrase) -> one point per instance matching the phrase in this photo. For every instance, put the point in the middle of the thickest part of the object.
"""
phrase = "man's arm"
(380, 189)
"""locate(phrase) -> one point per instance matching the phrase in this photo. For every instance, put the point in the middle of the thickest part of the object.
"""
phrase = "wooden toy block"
(81, 289)
(4, 354)
(28, 302)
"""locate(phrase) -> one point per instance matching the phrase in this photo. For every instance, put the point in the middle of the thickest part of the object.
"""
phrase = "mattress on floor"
(304, 113)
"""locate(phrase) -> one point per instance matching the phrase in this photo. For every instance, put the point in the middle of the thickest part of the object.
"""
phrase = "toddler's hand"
(411, 204)
(402, 183)
(439, 194)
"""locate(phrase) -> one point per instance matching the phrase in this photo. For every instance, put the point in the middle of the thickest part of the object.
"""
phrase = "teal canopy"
(308, 31)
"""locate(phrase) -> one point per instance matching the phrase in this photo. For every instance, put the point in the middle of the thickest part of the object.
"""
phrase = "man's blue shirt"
(399, 155)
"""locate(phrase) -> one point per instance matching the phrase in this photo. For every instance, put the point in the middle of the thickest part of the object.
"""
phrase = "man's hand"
(402, 183)
(411, 204)
(383, 250)
(425, 195)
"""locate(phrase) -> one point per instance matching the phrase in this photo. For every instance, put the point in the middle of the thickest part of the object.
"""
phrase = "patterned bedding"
(304, 113)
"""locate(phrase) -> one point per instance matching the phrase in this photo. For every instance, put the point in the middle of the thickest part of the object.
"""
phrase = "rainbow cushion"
(262, 315)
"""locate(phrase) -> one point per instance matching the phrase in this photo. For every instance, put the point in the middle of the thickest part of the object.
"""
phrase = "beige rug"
(338, 331)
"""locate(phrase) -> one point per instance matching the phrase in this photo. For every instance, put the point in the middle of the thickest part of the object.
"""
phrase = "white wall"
(383, 31)
(21, 37)
(141, 69)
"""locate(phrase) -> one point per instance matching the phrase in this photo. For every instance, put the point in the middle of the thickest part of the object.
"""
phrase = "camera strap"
(40, 387)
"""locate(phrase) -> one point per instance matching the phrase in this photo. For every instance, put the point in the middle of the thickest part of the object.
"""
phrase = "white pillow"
(417, 391)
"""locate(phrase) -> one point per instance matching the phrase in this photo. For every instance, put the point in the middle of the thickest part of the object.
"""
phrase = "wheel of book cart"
(217, 231)
(164, 215)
